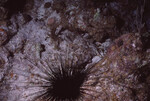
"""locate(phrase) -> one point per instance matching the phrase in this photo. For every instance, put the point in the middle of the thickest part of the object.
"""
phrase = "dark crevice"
(146, 41)
(119, 23)
(94, 3)
(10, 36)
(105, 37)
(47, 5)
(27, 18)
(42, 49)
(146, 17)
(143, 73)
(14, 6)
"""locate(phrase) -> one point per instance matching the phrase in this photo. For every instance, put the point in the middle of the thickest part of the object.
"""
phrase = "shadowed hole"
(14, 6)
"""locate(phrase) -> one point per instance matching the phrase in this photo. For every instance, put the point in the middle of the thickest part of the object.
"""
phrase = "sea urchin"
(65, 84)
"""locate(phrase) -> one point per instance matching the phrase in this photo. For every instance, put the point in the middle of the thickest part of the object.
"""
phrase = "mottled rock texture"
(110, 37)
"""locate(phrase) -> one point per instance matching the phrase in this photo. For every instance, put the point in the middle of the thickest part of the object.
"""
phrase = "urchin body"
(65, 84)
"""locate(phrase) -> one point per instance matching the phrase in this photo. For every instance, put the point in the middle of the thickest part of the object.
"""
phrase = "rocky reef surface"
(111, 36)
